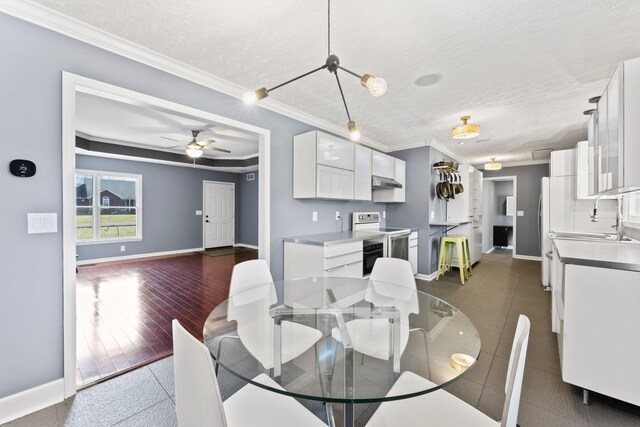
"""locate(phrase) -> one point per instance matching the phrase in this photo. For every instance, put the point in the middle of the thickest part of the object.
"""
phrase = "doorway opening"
(499, 215)
(77, 88)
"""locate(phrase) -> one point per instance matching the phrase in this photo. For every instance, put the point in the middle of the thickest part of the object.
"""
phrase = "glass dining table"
(340, 341)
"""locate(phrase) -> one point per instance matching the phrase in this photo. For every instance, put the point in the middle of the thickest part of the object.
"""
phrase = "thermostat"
(22, 168)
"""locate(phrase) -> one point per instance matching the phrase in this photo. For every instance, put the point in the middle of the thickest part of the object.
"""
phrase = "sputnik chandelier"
(377, 86)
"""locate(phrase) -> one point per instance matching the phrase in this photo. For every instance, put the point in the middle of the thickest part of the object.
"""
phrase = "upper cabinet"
(563, 163)
(617, 134)
(391, 195)
(323, 166)
(383, 165)
(362, 184)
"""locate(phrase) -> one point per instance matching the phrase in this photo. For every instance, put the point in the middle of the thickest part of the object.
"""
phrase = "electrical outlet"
(199, 213)
(314, 217)
(384, 214)
(337, 215)
(122, 248)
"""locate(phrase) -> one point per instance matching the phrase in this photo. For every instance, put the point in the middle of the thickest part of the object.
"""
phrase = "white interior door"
(219, 214)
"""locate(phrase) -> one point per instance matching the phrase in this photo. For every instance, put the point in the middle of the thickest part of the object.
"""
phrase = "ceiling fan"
(195, 148)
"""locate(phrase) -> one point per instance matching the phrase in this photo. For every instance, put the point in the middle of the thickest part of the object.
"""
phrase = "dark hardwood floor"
(124, 310)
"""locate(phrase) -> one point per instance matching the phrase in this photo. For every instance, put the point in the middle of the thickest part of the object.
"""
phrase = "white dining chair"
(249, 305)
(199, 402)
(371, 336)
(442, 409)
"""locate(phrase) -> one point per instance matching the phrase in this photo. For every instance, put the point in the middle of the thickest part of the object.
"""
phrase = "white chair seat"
(369, 336)
(253, 406)
(257, 337)
(437, 409)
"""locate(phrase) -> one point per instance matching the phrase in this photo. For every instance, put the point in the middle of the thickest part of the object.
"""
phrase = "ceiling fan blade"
(170, 139)
(208, 147)
(205, 142)
(173, 147)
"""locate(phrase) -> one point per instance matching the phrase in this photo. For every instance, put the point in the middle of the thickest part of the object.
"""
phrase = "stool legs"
(461, 262)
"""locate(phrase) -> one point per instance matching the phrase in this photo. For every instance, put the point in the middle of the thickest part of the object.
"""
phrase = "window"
(632, 207)
(108, 206)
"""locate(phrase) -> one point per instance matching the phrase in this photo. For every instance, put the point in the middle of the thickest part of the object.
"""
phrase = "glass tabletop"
(340, 340)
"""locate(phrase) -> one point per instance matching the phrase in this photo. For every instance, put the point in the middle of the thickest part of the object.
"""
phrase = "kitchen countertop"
(326, 239)
(448, 223)
(619, 256)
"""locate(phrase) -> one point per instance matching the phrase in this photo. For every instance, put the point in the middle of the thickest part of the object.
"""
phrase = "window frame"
(96, 206)
(632, 219)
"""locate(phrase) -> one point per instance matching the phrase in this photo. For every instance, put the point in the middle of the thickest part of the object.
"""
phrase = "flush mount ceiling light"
(466, 130)
(493, 166)
(376, 85)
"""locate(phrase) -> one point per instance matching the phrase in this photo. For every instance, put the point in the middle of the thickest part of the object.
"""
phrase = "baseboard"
(490, 250)
(528, 257)
(244, 245)
(32, 400)
(428, 277)
(137, 256)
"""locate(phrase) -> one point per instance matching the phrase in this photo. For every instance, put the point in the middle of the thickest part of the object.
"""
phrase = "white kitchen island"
(596, 314)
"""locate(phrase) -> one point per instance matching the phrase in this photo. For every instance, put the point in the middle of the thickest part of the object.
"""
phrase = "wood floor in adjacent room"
(124, 309)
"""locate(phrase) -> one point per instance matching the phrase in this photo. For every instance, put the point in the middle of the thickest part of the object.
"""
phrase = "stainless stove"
(396, 240)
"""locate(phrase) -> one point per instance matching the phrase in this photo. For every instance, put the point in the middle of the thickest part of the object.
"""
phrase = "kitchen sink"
(594, 237)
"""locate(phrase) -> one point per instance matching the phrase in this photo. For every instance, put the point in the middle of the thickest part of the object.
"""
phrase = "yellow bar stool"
(461, 243)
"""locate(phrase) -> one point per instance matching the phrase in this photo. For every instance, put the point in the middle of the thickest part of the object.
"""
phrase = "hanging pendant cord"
(328, 27)
(342, 95)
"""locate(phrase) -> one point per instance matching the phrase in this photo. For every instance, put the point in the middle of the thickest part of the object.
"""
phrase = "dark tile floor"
(500, 289)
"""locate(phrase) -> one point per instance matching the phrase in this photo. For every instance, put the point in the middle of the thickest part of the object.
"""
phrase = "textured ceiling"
(522, 69)
(107, 120)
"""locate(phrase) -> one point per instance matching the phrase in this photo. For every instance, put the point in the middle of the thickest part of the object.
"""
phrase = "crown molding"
(445, 150)
(407, 146)
(55, 21)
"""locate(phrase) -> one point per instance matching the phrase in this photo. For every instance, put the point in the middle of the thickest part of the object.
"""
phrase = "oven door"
(398, 246)
(369, 259)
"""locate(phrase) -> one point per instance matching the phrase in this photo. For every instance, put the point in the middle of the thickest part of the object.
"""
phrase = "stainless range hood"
(379, 182)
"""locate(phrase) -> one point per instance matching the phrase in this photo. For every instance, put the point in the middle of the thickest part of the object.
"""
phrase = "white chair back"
(249, 274)
(393, 270)
(515, 373)
(198, 399)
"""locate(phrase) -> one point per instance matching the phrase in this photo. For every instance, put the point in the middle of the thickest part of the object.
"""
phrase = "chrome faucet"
(594, 215)
(618, 226)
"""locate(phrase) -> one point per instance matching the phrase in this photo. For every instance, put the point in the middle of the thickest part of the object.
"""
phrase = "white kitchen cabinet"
(598, 335)
(511, 206)
(335, 260)
(323, 166)
(458, 208)
(618, 132)
(393, 195)
(383, 165)
(362, 172)
(585, 178)
(563, 163)
(334, 183)
(413, 251)
(562, 203)
(475, 242)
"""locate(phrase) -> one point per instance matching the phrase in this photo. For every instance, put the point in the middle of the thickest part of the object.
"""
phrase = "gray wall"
(527, 197)
(247, 210)
(30, 94)
(502, 190)
(170, 197)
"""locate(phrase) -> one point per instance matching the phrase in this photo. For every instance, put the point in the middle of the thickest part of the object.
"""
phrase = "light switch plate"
(314, 217)
(520, 213)
(384, 214)
(337, 215)
(42, 223)
(199, 213)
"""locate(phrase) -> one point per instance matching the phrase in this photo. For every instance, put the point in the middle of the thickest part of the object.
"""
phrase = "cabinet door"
(362, 190)
(400, 175)
(601, 144)
(413, 258)
(614, 136)
(561, 203)
(334, 183)
(383, 165)
(334, 152)
(591, 180)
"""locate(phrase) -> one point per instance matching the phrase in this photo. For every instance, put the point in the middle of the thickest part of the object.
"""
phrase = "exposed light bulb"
(194, 152)
(249, 98)
(377, 85)
(354, 133)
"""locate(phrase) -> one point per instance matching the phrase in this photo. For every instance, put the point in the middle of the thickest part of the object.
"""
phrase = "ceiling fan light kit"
(377, 86)
(466, 130)
(194, 152)
(493, 165)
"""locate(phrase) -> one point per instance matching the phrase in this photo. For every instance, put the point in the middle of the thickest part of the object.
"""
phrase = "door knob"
(207, 220)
